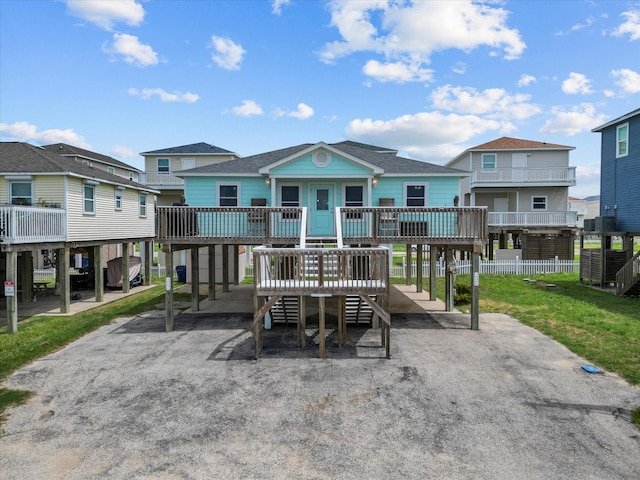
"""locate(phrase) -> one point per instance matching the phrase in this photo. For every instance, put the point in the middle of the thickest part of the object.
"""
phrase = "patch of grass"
(635, 417)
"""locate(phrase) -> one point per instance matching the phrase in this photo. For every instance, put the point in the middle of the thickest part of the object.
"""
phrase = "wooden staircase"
(628, 278)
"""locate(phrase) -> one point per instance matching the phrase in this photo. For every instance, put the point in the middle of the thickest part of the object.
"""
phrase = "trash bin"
(181, 271)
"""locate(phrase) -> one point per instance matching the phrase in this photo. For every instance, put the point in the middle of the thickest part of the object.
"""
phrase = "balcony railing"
(564, 176)
(239, 225)
(160, 179)
(436, 225)
(32, 224)
(533, 219)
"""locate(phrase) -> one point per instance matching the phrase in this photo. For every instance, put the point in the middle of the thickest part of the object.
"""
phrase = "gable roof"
(26, 159)
(510, 143)
(380, 158)
(617, 120)
(69, 150)
(192, 149)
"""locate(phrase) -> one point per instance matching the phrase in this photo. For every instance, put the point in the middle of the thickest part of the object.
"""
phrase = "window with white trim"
(489, 161)
(110, 170)
(539, 203)
(89, 199)
(289, 197)
(228, 195)
(415, 195)
(117, 200)
(21, 193)
(142, 204)
(163, 165)
(130, 175)
(622, 140)
(354, 197)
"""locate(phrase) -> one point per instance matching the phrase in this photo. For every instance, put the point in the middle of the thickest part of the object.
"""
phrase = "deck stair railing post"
(628, 276)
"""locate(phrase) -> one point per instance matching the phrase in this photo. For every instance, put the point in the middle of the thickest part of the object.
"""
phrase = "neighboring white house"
(525, 186)
(54, 203)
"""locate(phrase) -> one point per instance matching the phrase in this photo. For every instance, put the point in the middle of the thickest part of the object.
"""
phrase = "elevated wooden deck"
(321, 272)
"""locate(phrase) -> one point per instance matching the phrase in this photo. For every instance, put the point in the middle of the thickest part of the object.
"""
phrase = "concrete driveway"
(131, 401)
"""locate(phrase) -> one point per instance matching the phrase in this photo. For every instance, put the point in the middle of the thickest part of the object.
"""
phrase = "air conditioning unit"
(605, 224)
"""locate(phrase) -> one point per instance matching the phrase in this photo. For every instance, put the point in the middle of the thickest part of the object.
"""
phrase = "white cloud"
(277, 5)
(396, 72)
(578, 26)
(460, 68)
(228, 54)
(303, 112)
(134, 52)
(26, 132)
(627, 80)
(105, 13)
(495, 103)
(422, 132)
(123, 152)
(631, 26)
(405, 32)
(526, 80)
(247, 109)
(579, 118)
(577, 83)
(147, 93)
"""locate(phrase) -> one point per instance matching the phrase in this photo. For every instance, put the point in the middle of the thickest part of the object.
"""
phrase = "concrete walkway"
(131, 401)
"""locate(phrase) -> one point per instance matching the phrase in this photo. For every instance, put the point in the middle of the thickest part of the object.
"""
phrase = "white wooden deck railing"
(426, 225)
(550, 175)
(533, 219)
(285, 271)
(160, 179)
(32, 224)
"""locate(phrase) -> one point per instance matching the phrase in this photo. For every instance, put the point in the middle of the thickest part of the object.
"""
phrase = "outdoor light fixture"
(267, 181)
(374, 182)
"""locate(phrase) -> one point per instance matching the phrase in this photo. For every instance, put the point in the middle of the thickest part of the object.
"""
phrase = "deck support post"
(449, 273)
(27, 276)
(12, 300)
(98, 282)
(236, 265)
(409, 258)
(63, 265)
(125, 268)
(225, 268)
(433, 265)
(148, 262)
(212, 272)
(419, 268)
(321, 324)
(168, 289)
(475, 287)
(195, 279)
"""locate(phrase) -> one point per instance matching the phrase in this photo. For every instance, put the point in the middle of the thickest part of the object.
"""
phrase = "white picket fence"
(495, 267)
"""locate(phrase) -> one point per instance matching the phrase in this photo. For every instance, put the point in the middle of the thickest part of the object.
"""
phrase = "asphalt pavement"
(131, 401)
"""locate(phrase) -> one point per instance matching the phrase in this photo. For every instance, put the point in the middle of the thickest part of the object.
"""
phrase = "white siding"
(107, 223)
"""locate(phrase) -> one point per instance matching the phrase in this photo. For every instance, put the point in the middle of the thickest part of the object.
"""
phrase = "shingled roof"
(26, 159)
(193, 149)
(509, 143)
(378, 156)
(70, 150)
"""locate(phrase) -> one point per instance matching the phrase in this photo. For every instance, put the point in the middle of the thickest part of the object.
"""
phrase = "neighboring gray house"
(160, 167)
(525, 185)
(96, 160)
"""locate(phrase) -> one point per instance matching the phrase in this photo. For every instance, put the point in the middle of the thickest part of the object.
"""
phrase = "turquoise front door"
(321, 211)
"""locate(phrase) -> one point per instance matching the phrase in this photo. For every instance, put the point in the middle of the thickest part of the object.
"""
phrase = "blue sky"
(429, 78)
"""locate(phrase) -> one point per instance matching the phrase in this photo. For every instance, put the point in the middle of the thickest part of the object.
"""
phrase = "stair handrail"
(628, 275)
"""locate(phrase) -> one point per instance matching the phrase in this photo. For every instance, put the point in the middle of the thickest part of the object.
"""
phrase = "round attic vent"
(321, 158)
